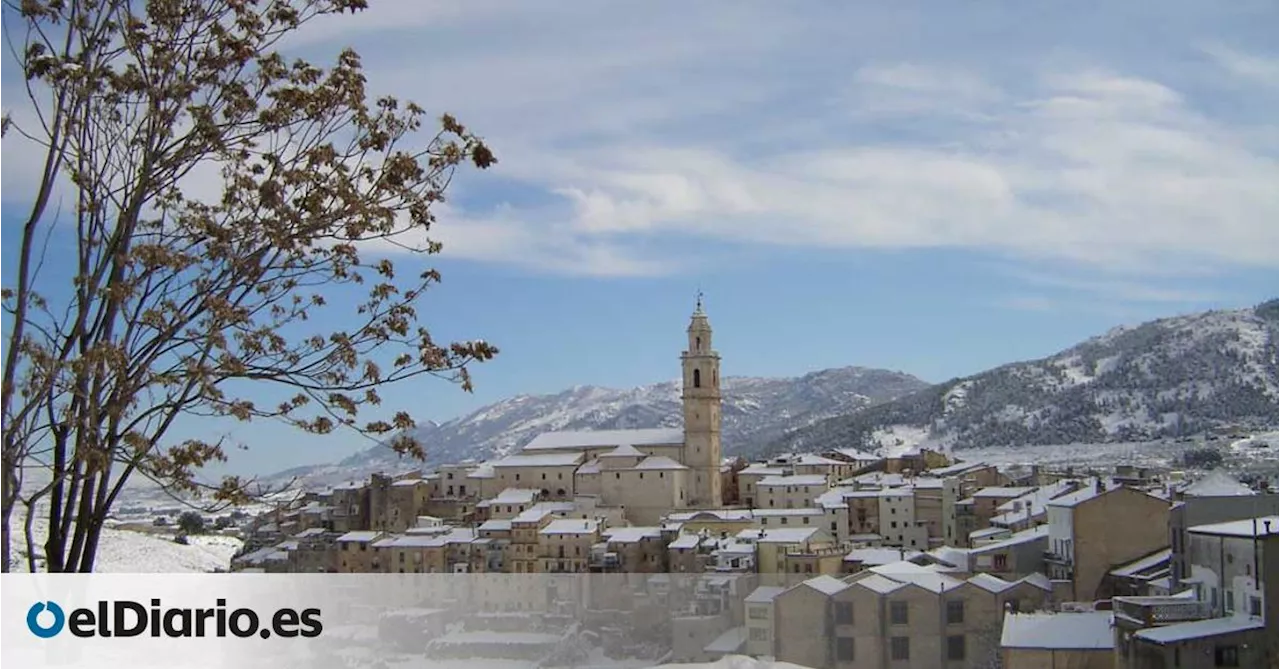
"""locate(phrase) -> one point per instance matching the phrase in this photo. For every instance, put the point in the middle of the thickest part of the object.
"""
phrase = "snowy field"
(130, 552)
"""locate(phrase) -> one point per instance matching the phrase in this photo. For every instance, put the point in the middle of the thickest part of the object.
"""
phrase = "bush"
(1204, 458)
(191, 522)
(181, 539)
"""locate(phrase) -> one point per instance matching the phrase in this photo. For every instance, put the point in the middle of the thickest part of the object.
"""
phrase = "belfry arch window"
(697, 378)
(697, 343)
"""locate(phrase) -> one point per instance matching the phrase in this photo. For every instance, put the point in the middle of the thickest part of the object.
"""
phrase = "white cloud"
(660, 129)
(1256, 69)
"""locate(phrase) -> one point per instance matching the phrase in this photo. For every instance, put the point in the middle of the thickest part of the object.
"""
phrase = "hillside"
(1162, 379)
(757, 412)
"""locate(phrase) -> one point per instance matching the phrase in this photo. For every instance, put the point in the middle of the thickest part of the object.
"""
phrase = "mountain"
(756, 412)
(1165, 378)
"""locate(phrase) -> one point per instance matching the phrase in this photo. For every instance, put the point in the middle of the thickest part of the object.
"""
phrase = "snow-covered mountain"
(757, 411)
(1165, 378)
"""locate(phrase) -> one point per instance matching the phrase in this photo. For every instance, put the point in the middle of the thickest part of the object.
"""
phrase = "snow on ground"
(129, 552)
(895, 440)
(735, 662)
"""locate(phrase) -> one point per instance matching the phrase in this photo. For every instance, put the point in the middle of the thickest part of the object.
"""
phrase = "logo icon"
(43, 631)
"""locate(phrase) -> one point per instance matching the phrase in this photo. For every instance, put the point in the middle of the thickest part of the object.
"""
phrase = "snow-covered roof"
(827, 585)
(957, 468)
(571, 526)
(855, 454)
(541, 510)
(584, 439)
(1089, 630)
(659, 462)
(719, 514)
(1002, 492)
(360, 537)
(879, 583)
(1262, 526)
(512, 496)
(990, 583)
(1199, 629)
(540, 460)
(879, 479)
(833, 498)
(781, 535)
(956, 557)
(685, 541)
(812, 460)
(1037, 533)
(592, 466)
(1038, 580)
(731, 641)
(1086, 493)
(926, 483)
(495, 525)
(758, 469)
(408, 482)
(988, 532)
(1218, 484)
(764, 594)
(929, 580)
(1141, 565)
(800, 480)
(631, 535)
(623, 451)
(871, 557)
(484, 470)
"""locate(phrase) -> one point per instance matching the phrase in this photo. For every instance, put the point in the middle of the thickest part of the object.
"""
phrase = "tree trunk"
(7, 498)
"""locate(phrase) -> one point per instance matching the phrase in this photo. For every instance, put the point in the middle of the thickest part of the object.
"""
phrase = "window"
(898, 613)
(893, 525)
(1226, 656)
(805, 521)
(784, 520)
(697, 378)
(844, 613)
(758, 612)
(1229, 597)
(955, 647)
(955, 612)
(900, 648)
(759, 634)
(1000, 561)
(1255, 606)
(844, 649)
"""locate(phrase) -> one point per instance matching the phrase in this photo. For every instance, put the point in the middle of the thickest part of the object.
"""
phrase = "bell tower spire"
(701, 397)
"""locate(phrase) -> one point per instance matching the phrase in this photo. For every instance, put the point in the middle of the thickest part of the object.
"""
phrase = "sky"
(931, 187)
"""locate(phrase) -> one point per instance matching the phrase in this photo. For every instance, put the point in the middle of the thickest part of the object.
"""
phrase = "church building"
(648, 472)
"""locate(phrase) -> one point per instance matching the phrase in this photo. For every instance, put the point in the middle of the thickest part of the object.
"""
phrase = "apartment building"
(1230, 621)
(897, 616)
(1098, 528)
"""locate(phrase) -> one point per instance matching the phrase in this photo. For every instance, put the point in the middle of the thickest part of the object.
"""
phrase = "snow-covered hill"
(1167, 378)
(756, 412)
(122, 551)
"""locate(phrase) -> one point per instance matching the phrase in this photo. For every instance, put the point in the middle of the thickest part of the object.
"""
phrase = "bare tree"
(191, 302)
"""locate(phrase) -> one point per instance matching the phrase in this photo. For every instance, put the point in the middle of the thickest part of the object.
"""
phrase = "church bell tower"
(701, 399)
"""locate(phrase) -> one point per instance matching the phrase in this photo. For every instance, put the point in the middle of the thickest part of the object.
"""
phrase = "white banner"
(391, 621)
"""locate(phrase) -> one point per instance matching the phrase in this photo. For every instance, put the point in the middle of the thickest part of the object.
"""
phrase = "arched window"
(560, 492)
(697, 378)
(697, 343)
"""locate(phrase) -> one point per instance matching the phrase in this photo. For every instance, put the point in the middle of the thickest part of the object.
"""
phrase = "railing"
(1054, 556)
(1153, 611)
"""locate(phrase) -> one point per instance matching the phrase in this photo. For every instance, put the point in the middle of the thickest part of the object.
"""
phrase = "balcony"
(1056, 557)
(1155, 611)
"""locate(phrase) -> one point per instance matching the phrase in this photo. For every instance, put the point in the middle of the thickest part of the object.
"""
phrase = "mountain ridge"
(756, 410)
(1165, 378)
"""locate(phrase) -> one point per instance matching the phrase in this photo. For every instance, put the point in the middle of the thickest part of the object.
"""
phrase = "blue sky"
(933, 187)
